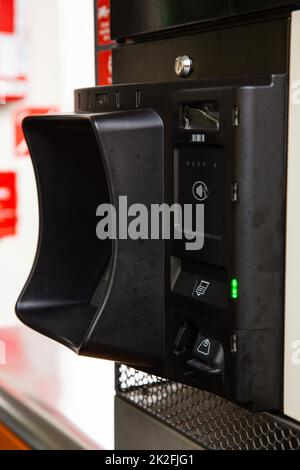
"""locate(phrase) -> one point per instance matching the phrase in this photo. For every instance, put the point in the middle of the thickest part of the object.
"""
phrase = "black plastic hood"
(96, 296)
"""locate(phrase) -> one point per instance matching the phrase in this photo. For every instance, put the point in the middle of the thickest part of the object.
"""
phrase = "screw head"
(183, 66)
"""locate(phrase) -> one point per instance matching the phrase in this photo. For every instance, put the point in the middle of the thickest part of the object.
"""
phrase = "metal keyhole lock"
(183, 66)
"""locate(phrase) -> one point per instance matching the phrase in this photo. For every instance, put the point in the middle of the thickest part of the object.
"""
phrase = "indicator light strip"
(234, 289)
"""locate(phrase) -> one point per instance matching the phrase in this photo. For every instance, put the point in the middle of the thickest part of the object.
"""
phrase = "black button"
(209, 352)
(200, 288)
(204, 347)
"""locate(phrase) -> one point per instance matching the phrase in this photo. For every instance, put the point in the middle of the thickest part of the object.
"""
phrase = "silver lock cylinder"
(183, 66)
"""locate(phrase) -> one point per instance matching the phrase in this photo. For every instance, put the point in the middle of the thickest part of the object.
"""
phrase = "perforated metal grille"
(214, 423)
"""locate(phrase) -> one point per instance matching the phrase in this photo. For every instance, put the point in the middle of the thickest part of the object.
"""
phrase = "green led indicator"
(234, 289)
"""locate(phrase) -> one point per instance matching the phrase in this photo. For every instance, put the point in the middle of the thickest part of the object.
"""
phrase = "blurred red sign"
(8, 204)
(105, 67)
(12, 61)
(21, 149)
(103, 15)
(7, 16)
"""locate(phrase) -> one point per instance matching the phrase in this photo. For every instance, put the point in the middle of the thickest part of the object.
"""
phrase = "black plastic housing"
(137, 301)
(78, 279)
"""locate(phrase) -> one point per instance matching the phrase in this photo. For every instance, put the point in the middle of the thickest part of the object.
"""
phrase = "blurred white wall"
(76, 52)
(60, 57)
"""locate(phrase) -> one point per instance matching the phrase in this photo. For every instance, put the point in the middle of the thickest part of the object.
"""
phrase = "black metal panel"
(228, 52)
(135, 17)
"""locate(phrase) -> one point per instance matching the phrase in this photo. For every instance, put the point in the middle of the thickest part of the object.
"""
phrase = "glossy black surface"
(131, 18)
(240, 51)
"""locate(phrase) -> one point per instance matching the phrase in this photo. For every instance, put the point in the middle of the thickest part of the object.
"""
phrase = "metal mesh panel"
(212, 422)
